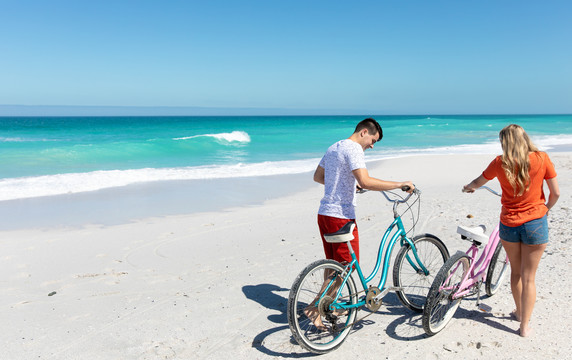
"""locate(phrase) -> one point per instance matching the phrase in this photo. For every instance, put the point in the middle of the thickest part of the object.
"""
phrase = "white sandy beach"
(215, 285)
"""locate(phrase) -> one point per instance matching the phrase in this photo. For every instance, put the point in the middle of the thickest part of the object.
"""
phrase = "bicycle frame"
(385, 250)
(326, 296)
(478, 269)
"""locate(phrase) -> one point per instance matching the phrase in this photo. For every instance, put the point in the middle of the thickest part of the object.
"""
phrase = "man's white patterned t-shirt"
(340, 184)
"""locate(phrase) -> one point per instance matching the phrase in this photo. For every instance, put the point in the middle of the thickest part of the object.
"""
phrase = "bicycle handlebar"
(490, 190)
(486, 188)
(398, 201)
(405, 188)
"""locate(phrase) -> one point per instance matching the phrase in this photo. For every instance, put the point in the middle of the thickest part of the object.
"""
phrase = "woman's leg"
(530, 258)
(513, 251)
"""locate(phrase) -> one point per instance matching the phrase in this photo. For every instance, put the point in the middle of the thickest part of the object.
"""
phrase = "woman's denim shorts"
(534, 232)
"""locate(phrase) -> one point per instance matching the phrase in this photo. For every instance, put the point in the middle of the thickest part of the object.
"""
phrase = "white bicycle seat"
(345, 234)
(474, 233)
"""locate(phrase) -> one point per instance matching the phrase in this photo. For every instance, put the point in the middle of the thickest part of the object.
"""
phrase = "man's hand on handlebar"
(407, 187)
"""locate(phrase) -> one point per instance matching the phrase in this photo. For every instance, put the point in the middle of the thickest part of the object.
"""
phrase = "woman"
(523, 229)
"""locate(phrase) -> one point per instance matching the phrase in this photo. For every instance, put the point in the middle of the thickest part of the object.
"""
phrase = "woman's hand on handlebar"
(475, 184)
(468, 189)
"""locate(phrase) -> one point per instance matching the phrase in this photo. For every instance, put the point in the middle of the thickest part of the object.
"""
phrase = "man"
(342, 169)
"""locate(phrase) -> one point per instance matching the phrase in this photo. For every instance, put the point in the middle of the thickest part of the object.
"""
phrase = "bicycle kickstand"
(481, 306)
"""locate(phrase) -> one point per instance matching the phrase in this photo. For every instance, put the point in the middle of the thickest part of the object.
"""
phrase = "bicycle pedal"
(485, 308)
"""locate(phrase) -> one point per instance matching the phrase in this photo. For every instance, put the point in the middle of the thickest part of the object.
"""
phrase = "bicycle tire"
(440, 308)
(415, 284)
(497, 270)
(305, 290)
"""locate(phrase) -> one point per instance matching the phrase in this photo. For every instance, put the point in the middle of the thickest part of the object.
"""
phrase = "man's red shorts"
(338, 252)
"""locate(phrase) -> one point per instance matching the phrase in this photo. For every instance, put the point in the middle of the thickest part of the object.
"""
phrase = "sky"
(285, 57)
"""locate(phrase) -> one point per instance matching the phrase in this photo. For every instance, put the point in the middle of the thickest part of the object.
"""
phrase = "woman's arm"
(475, 184)
(554, 192)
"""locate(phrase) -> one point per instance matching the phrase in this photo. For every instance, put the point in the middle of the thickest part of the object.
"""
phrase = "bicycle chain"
(375, 292)
(355, 322)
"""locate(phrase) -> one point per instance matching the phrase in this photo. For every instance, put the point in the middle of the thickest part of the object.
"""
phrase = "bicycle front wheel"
(314, 323)
(440, 306)
(412, 282)
(498, 268)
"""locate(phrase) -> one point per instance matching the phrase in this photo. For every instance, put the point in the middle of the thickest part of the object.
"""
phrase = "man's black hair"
(371, 125)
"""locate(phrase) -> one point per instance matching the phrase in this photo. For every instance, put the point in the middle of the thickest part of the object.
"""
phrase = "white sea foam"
(8, 139)
(28, 187)
(486, 148)
(548, 142)
(19, 139)
(235, 136)
(545, 143)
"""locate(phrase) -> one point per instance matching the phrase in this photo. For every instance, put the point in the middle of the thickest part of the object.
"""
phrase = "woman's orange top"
(516, 210)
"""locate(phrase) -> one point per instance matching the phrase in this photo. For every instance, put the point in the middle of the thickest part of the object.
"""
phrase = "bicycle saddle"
(476, 234)
(343, 235)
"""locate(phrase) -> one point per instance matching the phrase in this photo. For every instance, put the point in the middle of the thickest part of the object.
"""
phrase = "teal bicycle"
(324, 300)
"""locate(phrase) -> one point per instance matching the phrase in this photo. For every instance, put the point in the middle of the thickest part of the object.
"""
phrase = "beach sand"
(214, 285)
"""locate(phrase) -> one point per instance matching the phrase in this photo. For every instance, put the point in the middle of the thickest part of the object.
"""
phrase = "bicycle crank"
(372, 302)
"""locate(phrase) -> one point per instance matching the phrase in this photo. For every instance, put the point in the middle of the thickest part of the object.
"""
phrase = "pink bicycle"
(462, 276)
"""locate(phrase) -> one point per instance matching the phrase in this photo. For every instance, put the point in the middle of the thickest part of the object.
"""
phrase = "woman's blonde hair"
(516, 145)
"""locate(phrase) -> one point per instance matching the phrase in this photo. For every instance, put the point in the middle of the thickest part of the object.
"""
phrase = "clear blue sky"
(383, 57)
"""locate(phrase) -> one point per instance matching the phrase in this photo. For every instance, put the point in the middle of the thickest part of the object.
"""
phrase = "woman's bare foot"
(526, 331)
(515, 315)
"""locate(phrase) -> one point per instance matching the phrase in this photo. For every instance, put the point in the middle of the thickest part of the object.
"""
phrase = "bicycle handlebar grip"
(405, 188)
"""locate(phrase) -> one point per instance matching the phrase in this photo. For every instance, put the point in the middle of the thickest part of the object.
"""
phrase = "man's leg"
(338, 252)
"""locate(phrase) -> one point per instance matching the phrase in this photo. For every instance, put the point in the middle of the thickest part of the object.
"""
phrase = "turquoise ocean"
(44, 156)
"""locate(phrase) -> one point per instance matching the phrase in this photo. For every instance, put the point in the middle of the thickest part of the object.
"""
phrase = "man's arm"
(370, 183)
(319, 175)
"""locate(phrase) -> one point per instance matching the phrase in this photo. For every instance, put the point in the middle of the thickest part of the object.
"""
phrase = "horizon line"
(127, 110)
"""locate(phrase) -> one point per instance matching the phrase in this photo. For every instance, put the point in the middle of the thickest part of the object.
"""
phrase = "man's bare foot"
(526, 332)
(515, 315)
(314, 315)
(341, 312)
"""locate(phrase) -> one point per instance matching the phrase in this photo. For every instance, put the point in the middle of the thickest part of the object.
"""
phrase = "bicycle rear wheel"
(413, 282)
(314, 325)
(440, 306)
(498, 268)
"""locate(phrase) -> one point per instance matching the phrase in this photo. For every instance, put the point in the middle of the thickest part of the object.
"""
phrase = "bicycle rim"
(415, 284)
(497, 271)
(304, 307)
(441, 306)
